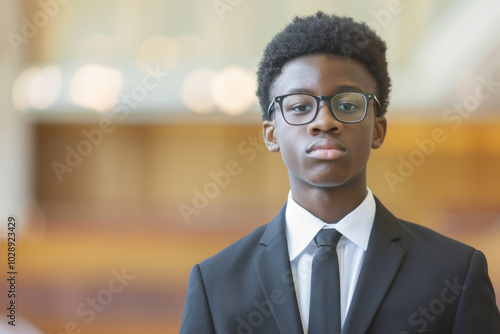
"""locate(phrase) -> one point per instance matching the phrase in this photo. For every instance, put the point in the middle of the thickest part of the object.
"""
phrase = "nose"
(325, 121)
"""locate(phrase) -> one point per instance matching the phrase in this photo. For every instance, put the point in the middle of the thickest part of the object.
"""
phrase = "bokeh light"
(96, 87)
(195, 90)
(234, 89)
(37, 88)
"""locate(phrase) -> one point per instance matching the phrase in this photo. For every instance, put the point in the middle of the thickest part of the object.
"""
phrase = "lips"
(326, 149)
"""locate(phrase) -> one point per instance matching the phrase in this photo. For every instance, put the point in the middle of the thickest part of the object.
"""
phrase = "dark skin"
(326, 159)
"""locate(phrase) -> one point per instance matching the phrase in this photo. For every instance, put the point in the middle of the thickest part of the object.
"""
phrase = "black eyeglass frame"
(279, 99)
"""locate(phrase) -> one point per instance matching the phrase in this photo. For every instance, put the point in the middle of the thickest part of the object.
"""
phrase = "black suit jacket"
(413, 280)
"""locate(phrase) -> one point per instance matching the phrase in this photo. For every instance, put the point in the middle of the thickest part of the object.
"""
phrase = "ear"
(380, 128)
(269, 132)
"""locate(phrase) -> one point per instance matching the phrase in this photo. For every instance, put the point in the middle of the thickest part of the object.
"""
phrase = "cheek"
(289, 146)
(288, 151)
(363, 144)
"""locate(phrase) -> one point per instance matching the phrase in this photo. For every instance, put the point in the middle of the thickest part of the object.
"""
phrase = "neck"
(330, 204)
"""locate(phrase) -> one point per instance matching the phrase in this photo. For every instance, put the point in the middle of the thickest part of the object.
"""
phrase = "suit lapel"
(275, 276)
(382, 261)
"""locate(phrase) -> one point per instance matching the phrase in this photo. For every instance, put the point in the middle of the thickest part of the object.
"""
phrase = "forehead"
(323, 74)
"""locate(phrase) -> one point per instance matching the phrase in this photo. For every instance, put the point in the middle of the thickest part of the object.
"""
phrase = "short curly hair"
(322, 33)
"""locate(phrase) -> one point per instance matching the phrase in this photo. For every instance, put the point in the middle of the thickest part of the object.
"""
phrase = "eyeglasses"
(301, 108)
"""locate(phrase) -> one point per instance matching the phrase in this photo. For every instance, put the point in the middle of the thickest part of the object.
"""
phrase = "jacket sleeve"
(196, 317)
(477, 311)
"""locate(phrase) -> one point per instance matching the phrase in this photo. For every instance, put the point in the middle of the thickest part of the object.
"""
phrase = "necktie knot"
(328, 237)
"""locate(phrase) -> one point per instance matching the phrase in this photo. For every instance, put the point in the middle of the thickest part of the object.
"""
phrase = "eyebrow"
(339, 89)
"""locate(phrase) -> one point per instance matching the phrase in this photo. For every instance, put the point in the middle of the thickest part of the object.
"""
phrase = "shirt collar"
(302, 226)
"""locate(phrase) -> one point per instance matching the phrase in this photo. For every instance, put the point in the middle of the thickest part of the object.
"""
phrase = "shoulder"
(433, 253)
(421, 244)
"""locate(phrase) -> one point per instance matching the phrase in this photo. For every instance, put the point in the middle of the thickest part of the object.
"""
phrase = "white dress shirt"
(302, 227)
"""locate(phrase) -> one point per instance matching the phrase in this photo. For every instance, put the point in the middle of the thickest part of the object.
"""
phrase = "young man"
(323, 88)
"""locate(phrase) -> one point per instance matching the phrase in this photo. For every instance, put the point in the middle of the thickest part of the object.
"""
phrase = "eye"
(346, 106)
(299, 104)
(300, 108)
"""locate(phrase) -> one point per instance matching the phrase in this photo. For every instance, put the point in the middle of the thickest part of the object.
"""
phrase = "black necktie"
(324, 311)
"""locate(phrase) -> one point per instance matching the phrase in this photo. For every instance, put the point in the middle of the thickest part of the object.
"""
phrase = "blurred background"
(131, 143)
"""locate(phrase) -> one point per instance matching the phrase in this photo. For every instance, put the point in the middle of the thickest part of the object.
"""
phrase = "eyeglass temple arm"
(378, 103)
(269, 108)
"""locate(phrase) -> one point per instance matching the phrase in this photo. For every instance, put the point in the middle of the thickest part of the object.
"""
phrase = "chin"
(328, 177)
(328, 182)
